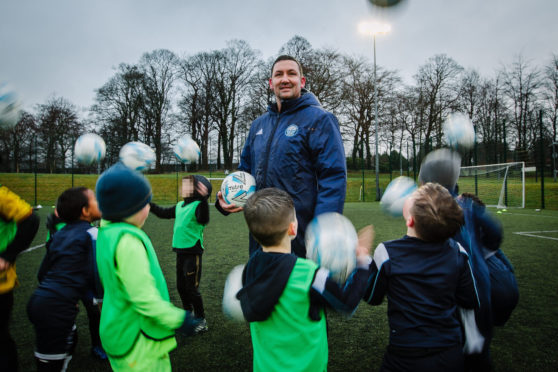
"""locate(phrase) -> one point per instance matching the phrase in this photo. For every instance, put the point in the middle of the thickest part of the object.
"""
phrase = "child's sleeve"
(132, 268)
(491, 228)
(96, 285)
(376, 287)
(466, 295)
(343, 299)
(161, 212)
(12, 207)
(202, 212)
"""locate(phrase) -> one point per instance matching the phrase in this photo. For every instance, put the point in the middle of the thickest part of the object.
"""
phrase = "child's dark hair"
(71, 202)
(437, 215)
(268, 214)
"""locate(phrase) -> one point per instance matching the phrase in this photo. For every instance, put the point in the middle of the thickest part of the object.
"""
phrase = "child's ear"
(410, 221)
(85, 212)
(292, 230)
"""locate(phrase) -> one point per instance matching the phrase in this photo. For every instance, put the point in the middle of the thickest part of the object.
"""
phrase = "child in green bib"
(284, 296)
(191, 215)
(138, 321)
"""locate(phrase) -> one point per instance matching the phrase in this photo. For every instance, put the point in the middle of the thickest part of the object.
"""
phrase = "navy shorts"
(54, 323)
(423, 359)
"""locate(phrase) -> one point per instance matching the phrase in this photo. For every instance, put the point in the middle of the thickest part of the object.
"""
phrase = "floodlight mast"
(375, 28)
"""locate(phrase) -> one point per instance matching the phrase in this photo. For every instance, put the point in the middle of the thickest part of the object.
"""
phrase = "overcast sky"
(69, 48)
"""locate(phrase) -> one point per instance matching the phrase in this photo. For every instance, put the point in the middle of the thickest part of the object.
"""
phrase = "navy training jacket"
(424, 283)
(300, 151)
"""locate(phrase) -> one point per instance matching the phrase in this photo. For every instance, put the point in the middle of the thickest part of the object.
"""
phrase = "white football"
(459, 131)
(137, 156)
(231, 304)
(187, 150)
(10, 107)
(331, 242)
(237, 187)
(89, 148)
(395, 195)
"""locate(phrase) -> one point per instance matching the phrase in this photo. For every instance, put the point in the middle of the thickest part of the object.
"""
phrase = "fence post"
(362, 158)
(35, 170)
(542, 157)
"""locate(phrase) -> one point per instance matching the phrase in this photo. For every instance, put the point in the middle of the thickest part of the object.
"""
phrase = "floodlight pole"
(376, 123)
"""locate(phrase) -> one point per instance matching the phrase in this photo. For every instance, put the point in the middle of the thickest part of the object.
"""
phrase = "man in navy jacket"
(295, 146)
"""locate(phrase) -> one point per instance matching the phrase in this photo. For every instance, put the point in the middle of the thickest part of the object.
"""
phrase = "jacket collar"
(306, 99)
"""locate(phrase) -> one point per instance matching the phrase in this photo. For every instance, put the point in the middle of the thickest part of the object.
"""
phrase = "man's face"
(286, 81)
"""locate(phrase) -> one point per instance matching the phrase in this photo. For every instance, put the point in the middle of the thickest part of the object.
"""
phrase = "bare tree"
(15, 143)
(550, 94)
(358, 103)
(437, 81)
(521, 83)
(119, 107)
(299, 48)
(159, 70)
(235, 68)
(489, 118)
(58, 127)
(324, 76)
(195, 106)
(358, 116)
(322, 69)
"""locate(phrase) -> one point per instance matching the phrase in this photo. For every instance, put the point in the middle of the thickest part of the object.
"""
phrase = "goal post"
(497, 185)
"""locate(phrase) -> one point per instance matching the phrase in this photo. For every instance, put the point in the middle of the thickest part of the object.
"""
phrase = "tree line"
(215, 95)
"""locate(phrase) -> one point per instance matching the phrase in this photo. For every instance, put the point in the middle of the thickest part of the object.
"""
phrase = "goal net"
(497, 185)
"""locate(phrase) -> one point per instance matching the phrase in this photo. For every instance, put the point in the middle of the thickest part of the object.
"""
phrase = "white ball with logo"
(237, 187)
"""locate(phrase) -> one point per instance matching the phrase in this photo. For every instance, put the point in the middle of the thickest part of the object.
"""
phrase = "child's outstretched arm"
(376, 287)
(202, 212)
(345, 299)
(161, 212)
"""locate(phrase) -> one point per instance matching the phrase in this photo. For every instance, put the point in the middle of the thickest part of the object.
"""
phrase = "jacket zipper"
(268, 149)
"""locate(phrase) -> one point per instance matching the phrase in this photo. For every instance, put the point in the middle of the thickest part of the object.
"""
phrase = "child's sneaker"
(99, 353)
(201, 327)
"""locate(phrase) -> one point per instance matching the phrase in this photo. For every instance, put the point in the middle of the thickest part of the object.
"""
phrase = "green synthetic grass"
(527, 343)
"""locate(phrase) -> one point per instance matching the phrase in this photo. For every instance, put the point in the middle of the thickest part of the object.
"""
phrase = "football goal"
(497, 185)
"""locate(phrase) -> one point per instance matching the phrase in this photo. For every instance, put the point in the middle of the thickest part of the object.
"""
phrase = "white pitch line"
(33, 248)
(525, 214)
(532, 234)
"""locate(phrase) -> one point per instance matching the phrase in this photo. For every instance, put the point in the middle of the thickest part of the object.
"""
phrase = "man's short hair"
(437, 215)
(71, 202)
(286, 57)
(268, 214)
